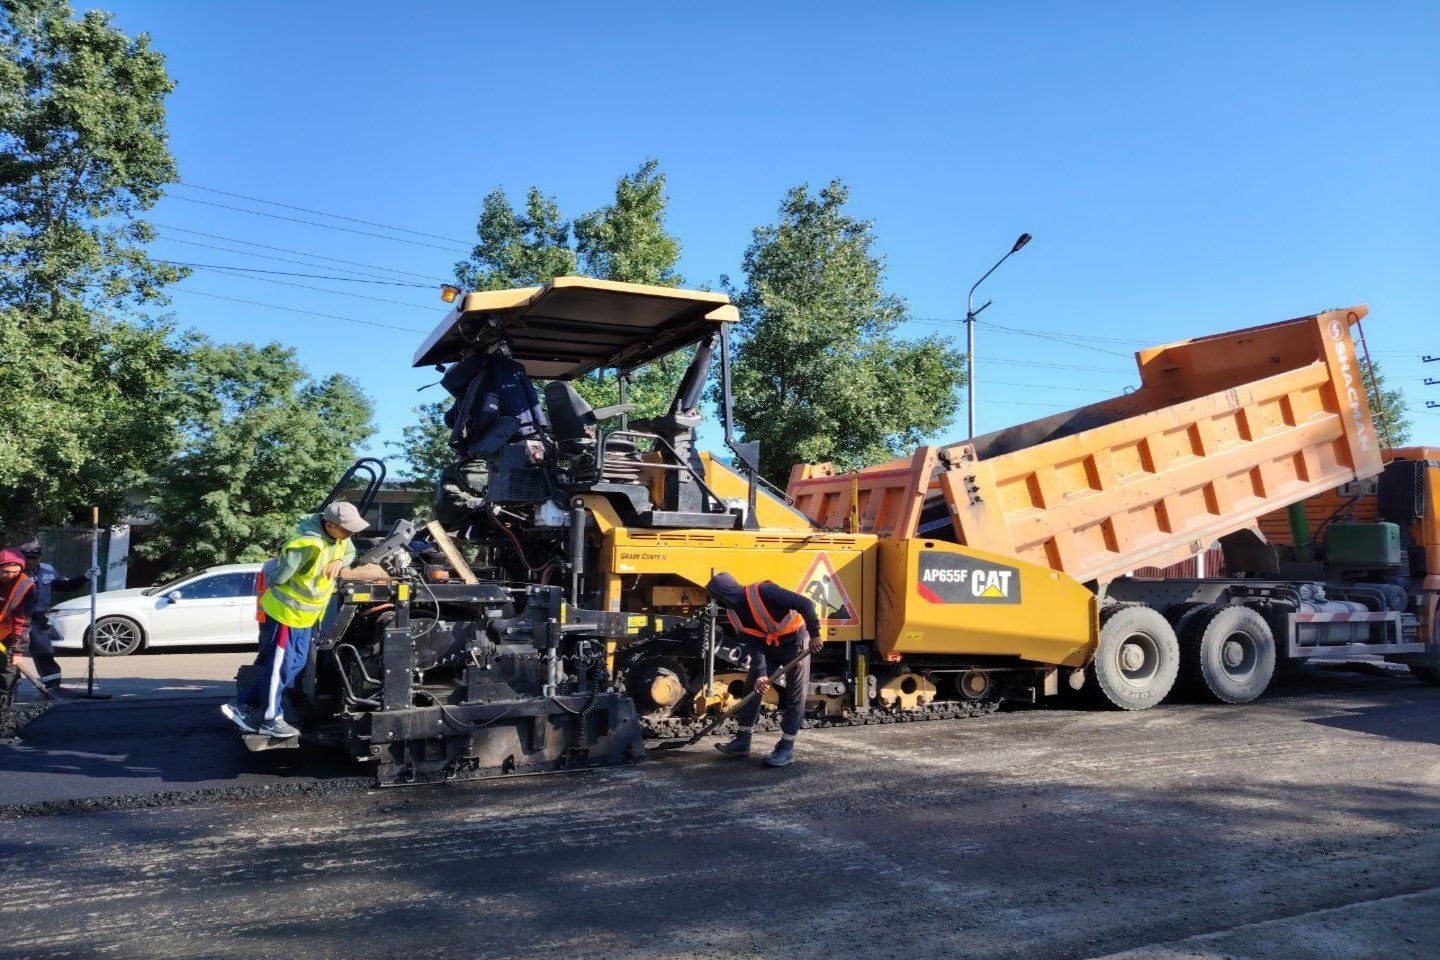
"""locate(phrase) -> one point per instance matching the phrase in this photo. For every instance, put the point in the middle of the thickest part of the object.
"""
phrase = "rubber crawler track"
(677, 728)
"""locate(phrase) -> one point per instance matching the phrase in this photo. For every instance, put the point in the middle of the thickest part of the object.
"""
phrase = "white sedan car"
(214, 606)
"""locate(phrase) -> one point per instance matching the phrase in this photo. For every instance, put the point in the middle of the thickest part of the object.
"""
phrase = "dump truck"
(1223, 431)
(570, 622)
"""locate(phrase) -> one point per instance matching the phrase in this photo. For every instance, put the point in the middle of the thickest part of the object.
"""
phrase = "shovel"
(705, 730)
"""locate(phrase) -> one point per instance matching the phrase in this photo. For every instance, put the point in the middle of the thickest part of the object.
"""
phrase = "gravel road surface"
(1302, 826)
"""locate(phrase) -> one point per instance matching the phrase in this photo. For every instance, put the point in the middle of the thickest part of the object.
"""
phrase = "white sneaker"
(278, 729)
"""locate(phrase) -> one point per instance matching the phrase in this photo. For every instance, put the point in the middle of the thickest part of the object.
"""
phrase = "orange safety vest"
(770, 630)
(9, 611)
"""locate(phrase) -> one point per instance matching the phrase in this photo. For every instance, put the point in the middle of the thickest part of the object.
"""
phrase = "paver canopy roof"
(573, 325)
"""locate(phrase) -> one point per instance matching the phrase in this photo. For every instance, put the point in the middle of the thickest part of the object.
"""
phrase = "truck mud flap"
(436, 744)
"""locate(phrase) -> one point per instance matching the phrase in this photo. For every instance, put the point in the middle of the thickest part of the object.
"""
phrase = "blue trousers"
(283, 652)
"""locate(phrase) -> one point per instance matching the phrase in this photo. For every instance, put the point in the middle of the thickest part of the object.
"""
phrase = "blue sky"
(1185, 169)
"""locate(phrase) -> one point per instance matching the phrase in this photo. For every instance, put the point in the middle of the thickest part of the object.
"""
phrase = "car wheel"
(116, 637)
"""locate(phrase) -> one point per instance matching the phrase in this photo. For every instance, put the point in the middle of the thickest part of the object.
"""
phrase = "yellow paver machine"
(947, 581)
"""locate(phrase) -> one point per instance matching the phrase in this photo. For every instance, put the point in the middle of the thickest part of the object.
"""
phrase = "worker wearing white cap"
(296, 594)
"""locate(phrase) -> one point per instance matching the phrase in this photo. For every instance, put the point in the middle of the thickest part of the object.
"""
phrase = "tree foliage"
(425, 445)
(517, 249)
(264, 442)
(623, 240)
(83, 152)
(821, 373)
(1387, 407)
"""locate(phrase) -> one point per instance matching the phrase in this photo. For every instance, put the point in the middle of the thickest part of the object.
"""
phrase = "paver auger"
(586, 626)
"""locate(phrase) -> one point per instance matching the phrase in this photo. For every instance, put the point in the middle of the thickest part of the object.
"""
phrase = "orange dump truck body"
(1222, 430)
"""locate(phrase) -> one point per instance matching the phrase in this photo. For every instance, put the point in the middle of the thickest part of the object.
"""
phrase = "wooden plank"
(447, 547)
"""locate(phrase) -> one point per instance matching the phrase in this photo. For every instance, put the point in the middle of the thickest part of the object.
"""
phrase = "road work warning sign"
(823, 585)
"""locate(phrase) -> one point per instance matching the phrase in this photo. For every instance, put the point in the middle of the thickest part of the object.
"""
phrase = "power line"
(338, 293)
(1024, 403)
(298, 253)
(314, 223)
(1035, 333)
(308, 313)
(320, 213)
(1057, 338)
(290, 273)
(1043, 386)
(1060, 366)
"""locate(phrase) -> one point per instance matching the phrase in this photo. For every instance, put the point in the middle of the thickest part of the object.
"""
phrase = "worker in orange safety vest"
(17, 605)
(774, 626)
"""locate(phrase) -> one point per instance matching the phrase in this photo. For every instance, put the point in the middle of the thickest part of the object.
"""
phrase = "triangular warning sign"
(993, 591)
(823, 585)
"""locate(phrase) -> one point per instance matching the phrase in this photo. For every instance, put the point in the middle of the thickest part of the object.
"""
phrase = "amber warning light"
(449, 293)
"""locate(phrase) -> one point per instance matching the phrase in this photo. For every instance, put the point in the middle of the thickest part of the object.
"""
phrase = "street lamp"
(970, 314)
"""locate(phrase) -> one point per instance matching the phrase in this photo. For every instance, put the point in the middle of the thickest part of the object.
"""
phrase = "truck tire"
(1227, 654)
(1137, 659)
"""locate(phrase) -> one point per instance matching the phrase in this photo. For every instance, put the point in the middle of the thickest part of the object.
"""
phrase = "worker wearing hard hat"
(296, 594)
(43, 634)
(775, 626)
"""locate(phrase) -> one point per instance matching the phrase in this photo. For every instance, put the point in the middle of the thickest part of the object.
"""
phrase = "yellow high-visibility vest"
(301, 600)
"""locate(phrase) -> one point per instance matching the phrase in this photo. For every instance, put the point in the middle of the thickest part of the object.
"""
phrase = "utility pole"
(970, 314)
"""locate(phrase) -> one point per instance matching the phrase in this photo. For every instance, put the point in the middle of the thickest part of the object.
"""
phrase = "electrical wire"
(308, 313)
(298, 253)
(338, 293)
(1034, 333)
(1043, 386)
(313, 223)
(320, 213)
(1057, 338)
(291, 273)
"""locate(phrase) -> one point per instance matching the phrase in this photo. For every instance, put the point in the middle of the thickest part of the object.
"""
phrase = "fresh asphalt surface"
(1301, 826)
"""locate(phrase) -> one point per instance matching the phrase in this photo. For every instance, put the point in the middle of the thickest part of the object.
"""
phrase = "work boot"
(783, 753)
(278, 729)
(57, 692)
(237, 714)
(739, 747)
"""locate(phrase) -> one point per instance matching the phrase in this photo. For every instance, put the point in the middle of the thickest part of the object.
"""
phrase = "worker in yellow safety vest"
(297, 591)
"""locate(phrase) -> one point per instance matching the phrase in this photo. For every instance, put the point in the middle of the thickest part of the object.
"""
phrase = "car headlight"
(67, 613)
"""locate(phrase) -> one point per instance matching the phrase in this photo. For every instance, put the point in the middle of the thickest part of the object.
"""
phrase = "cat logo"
(832, 603)
(953, 578)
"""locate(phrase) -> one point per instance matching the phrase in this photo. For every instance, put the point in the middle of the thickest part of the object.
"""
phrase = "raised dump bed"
(1222, 430)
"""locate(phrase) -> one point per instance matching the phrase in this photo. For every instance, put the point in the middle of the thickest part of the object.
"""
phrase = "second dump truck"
(946, 581)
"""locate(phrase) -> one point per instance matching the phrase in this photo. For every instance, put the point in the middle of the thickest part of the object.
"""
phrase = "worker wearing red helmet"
(17, 604)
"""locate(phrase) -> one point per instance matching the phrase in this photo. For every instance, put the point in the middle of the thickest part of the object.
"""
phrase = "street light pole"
(970, 315)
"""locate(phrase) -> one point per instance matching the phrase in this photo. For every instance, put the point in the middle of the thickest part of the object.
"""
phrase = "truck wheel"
(1227, 654)
(1136, 660)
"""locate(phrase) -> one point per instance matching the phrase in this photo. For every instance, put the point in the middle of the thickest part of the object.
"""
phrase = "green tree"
(626, 240)
(517, 250)
(623, 240)
(1387, 406)
(264, 442)
(425, 445)
(820, 372)
(83, 152)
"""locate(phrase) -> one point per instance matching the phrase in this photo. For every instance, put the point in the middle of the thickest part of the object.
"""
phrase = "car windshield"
(171, 585)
